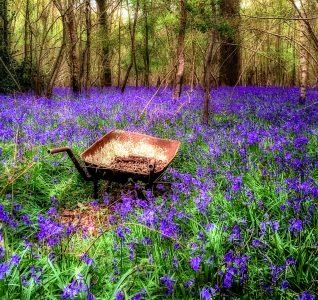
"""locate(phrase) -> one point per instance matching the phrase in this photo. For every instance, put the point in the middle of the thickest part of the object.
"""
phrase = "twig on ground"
(307, 106)
(183, 104)
(154, 95)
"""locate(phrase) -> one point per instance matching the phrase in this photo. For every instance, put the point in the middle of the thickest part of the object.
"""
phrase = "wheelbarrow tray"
(120, 175)
(93, 172)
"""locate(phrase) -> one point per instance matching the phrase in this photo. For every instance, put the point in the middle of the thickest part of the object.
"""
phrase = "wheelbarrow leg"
(95, 189)
(151, 170)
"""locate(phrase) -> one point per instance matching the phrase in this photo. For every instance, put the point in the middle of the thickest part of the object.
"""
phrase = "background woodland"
(77, 43)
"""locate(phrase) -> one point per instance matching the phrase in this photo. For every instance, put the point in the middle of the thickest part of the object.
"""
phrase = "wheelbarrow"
(94, 171)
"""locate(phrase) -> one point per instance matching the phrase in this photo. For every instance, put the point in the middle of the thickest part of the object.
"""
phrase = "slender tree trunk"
(180, 51)
(119, 44)
(229, 50)
(294, 60)
(207, 79)
(88, 44)
(4, 33)
(70, 39)
(302, 13)
(193, 66)
(81, 44)
(303, 60)
(279, 74)
(55, 69)
(26, 31)
(132, 31)
(146, 57)
(104, 29)
(59, 59)
(5, 56)
(133, 42)
(72, 49)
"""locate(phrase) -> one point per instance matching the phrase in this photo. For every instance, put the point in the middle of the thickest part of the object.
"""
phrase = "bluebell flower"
(205, 294)
(4, 270)
(168, 282)
(195, 263)
(119, 295)
(2, 252)
(15, 259)
(306, 296)
(285, 285)
(295, 225)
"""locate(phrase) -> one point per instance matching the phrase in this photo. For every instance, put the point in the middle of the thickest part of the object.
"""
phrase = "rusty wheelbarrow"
(121, 165)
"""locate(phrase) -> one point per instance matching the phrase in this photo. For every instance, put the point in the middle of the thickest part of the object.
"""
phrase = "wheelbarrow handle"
(58, 150)
(71, 155)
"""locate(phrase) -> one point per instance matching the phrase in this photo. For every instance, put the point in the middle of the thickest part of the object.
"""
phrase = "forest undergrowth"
(235, 216)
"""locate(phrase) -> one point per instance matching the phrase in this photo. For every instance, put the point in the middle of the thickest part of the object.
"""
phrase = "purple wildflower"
(168, 282)
(15, 259)
(256, 243)
(17, 206)
(300, 142)
(136, 297)
(284, 285)
(2, 252)
(4, 270)
(205, 294)
(290, 261)
(209, 226)
(189, 284)
(26, 220)
(306, 296)
(195, 263)
(119, 295)
(75, 288)
(88, 260)
(228, 280)
(295, 225)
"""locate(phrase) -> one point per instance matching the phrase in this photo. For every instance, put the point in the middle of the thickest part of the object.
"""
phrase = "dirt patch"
(87, 218)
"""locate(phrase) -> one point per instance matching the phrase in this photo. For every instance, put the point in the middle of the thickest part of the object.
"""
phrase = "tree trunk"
(4, 33)
(229, 50)
(303, 59)
(119, 44)
(5, 56)
(88, 44)
(104, 29)
(207, 79)
(59, 59)
(294, 59)
(180, 51)
(72, 53)
(26, 32)
(132, 31)
(70, 37)
(193, 66)
(278, 45)
(133, 46)
(146, 56)
(55, 69)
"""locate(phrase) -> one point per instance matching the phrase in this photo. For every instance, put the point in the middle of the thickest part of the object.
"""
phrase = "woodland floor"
(235, 216)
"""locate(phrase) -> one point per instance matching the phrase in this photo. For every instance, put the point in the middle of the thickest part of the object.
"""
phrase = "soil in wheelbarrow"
(129, 156)
(136, 164)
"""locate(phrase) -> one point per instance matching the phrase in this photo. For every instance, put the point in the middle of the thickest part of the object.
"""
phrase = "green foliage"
(17, 77)
(225, 30)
